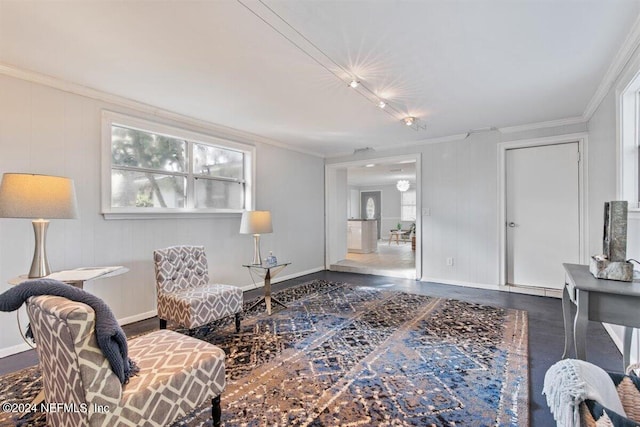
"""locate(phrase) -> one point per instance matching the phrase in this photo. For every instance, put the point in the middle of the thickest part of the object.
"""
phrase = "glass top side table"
(268, 271)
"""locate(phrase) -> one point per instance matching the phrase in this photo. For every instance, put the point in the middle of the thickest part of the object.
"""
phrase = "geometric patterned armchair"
(580, 393)
(185, 295)
(177, 373)
(593, 413)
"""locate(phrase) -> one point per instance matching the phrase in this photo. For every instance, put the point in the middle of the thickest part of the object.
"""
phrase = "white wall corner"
(620, 61)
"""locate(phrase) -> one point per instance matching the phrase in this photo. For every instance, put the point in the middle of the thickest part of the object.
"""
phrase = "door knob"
(512, 224)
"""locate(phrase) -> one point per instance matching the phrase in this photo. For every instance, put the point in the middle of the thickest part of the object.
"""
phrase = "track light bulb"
(354, 83)
(409, 120)
(382, 104)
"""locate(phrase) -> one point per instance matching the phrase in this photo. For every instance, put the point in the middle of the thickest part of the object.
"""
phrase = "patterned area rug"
(350, 356)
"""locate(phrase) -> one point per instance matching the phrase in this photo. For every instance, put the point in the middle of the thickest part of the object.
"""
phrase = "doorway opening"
(372, 226)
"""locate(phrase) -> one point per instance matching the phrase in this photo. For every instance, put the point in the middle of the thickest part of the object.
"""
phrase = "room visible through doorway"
(387, 247)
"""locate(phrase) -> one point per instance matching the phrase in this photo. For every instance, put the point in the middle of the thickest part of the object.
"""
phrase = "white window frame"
(627, 129)
(110, 118)
(402, 204)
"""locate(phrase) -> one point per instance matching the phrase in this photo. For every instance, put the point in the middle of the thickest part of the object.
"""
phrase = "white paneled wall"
(353, 202)
(602, 188)
(337, 208)
(459, 189)
(49, 131)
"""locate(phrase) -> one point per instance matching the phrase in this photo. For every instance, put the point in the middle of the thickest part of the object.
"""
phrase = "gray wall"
(49, 131)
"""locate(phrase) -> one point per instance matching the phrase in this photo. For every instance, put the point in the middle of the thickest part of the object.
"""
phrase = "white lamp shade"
(37, 196)
(256, 222)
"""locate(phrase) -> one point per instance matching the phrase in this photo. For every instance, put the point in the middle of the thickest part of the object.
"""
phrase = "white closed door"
(543, 213)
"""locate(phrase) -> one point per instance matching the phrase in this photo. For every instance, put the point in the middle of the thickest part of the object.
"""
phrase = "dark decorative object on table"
(612, 264)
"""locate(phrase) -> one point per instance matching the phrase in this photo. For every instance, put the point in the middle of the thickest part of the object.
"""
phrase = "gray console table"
(601, 300)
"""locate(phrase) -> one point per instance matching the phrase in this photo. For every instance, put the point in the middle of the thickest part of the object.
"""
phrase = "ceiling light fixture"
(409, 120)
(402, 185)
(370, 165)
(274, 20)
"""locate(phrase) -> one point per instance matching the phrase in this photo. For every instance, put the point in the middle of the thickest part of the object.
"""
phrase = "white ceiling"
(456, 65)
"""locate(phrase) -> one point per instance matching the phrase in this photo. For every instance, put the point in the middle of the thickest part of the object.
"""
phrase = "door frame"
(330, 174)
(582, 140)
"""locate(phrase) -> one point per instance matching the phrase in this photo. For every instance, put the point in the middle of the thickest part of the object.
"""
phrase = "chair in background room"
(185, 295)
(177, 373)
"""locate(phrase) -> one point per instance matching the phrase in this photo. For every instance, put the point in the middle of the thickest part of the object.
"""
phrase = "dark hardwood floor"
(546, 331)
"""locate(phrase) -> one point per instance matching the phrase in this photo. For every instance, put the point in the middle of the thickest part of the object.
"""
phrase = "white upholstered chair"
(185, 295)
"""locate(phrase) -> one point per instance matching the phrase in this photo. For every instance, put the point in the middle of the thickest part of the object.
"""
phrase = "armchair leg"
(216, 411)
(163, 324)
(238, 318)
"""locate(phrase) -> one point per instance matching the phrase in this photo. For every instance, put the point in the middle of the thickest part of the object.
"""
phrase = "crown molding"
(544, 125)
(462, 136)
(438, 140)
(620, 61)
(121, 101)
(449, 138)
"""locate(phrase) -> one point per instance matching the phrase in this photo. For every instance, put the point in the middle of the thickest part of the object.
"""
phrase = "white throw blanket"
(569, 382)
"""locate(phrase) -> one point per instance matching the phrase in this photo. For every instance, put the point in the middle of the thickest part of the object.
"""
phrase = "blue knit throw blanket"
(110, 336)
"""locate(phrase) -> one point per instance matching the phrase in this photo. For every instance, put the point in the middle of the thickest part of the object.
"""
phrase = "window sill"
(177, 214)
(633, 214)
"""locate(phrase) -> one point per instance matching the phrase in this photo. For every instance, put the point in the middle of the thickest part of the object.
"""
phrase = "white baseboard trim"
(247, 287)
(8, 351)
(279, 279)
(465, 284)
(137, 317)
(547, 292)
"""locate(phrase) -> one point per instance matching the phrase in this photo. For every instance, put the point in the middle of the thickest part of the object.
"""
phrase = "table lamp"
(256, 223)
(25, 195)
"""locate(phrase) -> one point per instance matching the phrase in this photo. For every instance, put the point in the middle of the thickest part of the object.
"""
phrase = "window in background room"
(408, 205)
(156, 169)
